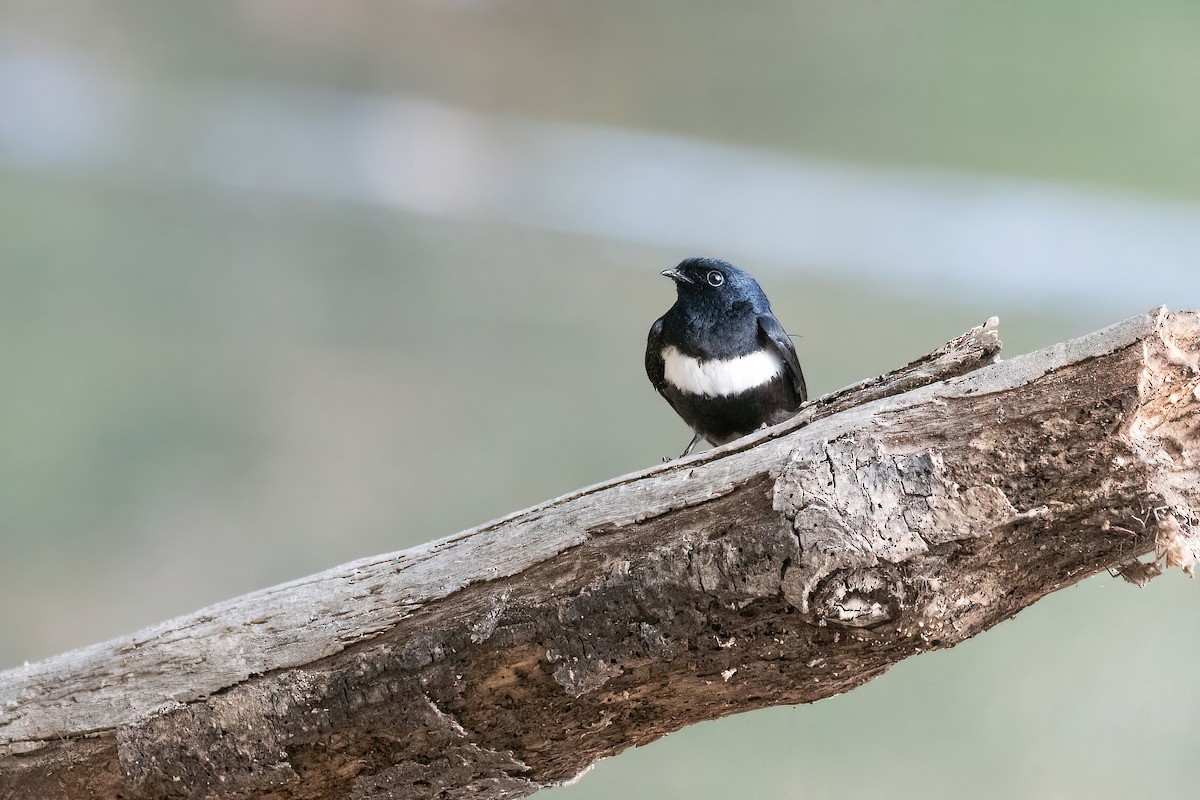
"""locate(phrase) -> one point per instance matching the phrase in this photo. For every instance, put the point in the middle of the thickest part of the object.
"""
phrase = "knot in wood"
(854, 503)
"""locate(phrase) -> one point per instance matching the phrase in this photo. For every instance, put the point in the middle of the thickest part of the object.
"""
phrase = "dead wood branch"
(900, 515)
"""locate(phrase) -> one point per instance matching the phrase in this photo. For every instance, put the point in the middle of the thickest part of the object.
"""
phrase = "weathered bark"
(900, 515)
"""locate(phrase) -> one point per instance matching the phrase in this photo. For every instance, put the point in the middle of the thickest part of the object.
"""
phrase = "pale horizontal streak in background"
(897, 228)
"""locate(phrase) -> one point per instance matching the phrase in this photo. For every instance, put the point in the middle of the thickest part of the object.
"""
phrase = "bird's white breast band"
(720, 378)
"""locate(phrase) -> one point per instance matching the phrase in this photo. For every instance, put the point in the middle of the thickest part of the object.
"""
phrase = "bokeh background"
(284, 283)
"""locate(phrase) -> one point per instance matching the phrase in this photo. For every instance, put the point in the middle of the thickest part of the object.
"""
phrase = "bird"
(720, 357)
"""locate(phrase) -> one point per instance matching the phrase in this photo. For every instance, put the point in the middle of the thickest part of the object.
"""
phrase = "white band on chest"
(720, 378)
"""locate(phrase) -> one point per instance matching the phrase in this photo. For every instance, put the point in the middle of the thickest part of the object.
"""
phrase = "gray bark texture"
(903, 514)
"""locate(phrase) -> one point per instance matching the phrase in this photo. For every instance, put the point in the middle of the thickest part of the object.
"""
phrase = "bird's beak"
(677, 276)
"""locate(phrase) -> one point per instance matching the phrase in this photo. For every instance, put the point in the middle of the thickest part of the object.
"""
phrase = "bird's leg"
(695, 441)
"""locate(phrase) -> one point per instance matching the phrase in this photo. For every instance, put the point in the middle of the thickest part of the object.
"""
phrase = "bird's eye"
(715, 278)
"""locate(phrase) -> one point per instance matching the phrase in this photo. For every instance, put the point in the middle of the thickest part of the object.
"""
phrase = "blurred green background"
(278, 277)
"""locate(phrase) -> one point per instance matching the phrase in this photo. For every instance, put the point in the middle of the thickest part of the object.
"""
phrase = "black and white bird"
(720, 357)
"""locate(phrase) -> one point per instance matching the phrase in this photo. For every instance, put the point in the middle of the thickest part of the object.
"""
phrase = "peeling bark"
(903, 514)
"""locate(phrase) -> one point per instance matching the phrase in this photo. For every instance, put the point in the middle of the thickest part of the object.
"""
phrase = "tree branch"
(899, 515)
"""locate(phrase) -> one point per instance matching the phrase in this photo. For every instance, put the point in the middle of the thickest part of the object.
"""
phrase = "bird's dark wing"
(776, 338)
(655, 367)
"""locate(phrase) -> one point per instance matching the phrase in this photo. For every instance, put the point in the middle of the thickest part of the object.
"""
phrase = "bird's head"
(715, 284)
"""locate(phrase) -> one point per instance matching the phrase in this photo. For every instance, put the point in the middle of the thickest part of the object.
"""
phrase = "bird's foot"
(695, 441)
